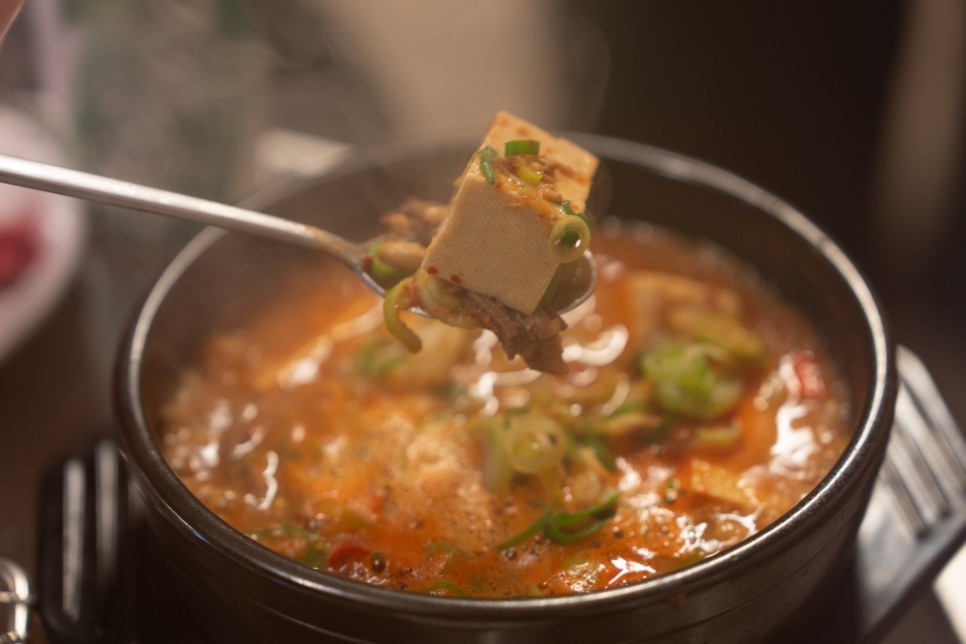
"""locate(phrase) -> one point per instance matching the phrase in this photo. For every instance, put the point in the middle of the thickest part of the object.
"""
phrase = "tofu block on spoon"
(496, 239)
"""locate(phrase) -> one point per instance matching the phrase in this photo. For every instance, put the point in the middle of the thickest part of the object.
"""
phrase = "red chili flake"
(367, 263)
(808, 374)
(432, 270)
(455, 279)
(345, 550)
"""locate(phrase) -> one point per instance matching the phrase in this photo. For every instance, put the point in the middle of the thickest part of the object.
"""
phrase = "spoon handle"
(92, 187)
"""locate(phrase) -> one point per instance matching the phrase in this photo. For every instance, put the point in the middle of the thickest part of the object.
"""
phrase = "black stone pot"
(768, 586)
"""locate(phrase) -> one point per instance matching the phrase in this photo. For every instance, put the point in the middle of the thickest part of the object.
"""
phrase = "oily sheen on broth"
(696, 409)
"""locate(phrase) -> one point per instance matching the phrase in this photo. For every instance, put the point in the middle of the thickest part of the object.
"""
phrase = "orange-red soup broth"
(697, 410)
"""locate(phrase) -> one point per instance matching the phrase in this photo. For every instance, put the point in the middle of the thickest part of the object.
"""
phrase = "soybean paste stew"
(696, 409)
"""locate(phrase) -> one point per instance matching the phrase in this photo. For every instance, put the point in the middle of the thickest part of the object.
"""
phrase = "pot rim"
(195, 521)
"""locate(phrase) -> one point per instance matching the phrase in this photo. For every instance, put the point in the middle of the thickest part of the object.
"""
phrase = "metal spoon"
(92, 187)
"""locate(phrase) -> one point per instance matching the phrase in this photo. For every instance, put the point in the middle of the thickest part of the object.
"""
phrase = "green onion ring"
(521, 146)
(569, 238)
(534, 443)
(568, 209)
(529, 175)
(487, 157)
(398, 299)
(381, 272)
(442, 300)
(497, 471)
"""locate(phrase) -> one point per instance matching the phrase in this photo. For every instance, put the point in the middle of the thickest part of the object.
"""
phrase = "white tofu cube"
(578, 166)
(496, 239)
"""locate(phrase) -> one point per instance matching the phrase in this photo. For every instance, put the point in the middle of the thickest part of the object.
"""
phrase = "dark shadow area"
(793, 97)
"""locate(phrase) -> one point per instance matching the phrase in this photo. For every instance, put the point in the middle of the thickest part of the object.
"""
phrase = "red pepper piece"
(346, 550)
(809, 375)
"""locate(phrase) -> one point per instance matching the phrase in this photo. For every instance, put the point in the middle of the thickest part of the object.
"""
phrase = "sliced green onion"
(314, 557)
(529, 175)
(552, 486)
(717, 437)
(568, 208)
(630, 422)
(521, 146)
(569, 238)
(729, 334)
(680, 363)
(724, 397)
(497, 471)
(567, 527)
(570, 527)
(447, 548)
(487, 158)
(684, 381)
(601, 451)
(383, 274)
(529, 531)
(398, 299)
(627, 407)
(672, 490)
(378, 358)
(443, 293)
(442, 300)
(534, 443)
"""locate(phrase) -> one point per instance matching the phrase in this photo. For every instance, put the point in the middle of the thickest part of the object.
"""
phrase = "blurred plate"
(55, 226)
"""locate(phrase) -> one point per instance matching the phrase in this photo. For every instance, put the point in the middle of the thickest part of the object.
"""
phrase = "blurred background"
(854, 112)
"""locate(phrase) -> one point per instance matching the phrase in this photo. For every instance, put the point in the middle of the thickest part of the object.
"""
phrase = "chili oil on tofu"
(696, 410)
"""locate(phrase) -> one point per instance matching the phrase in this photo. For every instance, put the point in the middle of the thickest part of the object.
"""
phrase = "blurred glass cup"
(159, 93)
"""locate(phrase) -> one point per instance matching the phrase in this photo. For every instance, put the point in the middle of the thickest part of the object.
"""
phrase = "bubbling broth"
(697, 408)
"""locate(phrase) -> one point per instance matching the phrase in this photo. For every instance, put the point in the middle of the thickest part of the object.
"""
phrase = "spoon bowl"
(114, 192)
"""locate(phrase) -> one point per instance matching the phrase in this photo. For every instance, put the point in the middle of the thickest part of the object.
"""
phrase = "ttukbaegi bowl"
(765, 586)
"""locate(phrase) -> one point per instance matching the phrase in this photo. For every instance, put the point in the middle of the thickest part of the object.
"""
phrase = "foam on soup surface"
(697, 409)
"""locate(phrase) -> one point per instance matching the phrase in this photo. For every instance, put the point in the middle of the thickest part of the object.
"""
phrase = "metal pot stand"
(15, 601)
(100, 581)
